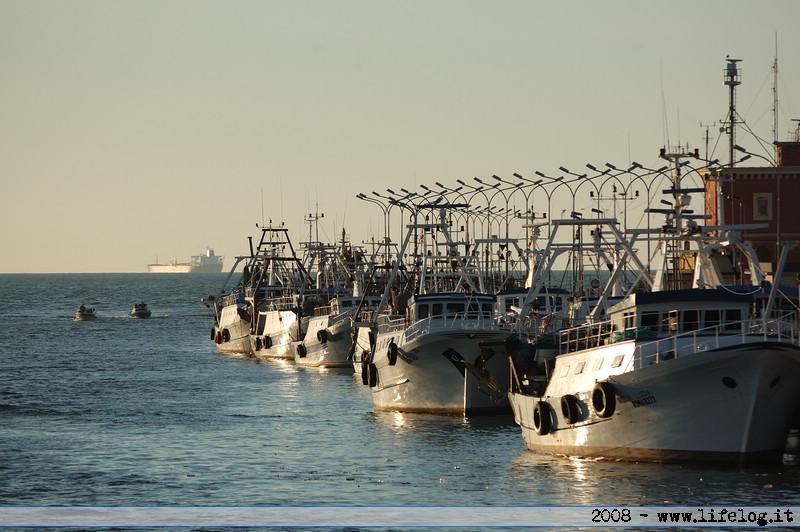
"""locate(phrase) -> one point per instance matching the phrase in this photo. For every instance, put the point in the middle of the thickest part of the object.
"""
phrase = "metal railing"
(782, 329)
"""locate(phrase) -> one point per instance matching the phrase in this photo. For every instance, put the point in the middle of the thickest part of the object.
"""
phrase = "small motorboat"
(140, 310)
(85, 313)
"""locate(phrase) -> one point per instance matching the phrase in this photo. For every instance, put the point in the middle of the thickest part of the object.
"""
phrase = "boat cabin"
(680, 311)
(549, 300)
(452, 305)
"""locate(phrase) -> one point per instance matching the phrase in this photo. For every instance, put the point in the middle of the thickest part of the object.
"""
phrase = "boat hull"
(277, 331)
(232, 333)
(185, 268)
(733, 404)
(327, 343)
(452, 371)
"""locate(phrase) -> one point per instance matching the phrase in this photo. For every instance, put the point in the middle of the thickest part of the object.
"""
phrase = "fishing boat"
(140, 310)
(687, 368)
(257, 315)
(85, 313)
(436, 344)
(671, 376)
(338, 273)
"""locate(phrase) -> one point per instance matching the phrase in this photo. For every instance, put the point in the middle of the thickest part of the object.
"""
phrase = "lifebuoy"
(226, 336)
(267, 342)
(218, 338)
(541, 418)
(301, 350)
(322, 336)
(258, 343)
(604, 400)
(570, 409)
(391, 353)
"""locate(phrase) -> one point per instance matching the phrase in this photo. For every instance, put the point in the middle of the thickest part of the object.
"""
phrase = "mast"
(732, 80)
(775, 100)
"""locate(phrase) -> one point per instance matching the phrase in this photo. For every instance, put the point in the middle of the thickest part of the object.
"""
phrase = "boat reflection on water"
(419, 423)
(577, 481)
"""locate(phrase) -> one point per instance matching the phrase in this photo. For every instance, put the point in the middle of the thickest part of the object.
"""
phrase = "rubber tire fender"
(570, 408)
(541, 418)
(604, 399)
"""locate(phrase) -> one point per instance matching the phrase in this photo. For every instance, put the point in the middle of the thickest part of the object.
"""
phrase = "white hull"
(327, 342)
(207, 263)
(184, 268)
(277, 331)
(170, 268)
(731, 404)
(428, 375)
(232, 334)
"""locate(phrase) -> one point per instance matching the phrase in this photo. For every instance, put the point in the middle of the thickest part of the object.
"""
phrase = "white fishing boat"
(329, 337)
(238, 327)
(688, 368)
(440, 348)
(673, 375)
(277, 298)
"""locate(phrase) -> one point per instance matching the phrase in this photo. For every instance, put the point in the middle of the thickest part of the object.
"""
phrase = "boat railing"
(585, 336)
(458, 321)
(391, 322)
(282, 302)
(323, 310)
(235, 298)
(782, 329)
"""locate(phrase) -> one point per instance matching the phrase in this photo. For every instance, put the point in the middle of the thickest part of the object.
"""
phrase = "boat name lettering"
(408, 356)
(642, 398)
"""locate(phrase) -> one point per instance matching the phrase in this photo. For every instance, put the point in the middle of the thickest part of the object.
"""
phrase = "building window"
(762, 206)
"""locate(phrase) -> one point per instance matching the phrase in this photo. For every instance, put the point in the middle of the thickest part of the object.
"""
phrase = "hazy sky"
(131, 130)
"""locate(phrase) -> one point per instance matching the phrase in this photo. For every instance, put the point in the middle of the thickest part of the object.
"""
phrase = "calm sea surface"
(126, 412)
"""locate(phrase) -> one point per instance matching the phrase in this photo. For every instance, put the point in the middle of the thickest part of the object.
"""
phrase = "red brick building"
(762, 195)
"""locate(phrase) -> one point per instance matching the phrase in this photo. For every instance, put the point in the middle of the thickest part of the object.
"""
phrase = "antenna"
(775, 98)
(707, 126)
(665, 125)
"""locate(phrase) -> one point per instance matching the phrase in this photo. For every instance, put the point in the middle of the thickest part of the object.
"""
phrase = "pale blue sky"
(131, 130)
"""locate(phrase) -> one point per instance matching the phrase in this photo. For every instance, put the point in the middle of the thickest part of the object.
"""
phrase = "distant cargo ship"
(207, 263)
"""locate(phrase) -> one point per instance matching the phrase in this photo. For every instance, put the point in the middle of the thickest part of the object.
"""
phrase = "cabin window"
(690, 320)
(564, 371)
(630, 320)
(711, 318)
(617, 362)
(579, 367)
(423, 311)
(437, 309)
(597, 364)
(454, 308)
(650, 319)
(487, 310)
(507, 304)
(732, 319)
(669, 321)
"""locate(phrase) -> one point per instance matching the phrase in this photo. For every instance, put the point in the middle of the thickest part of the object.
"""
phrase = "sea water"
(144, 412)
